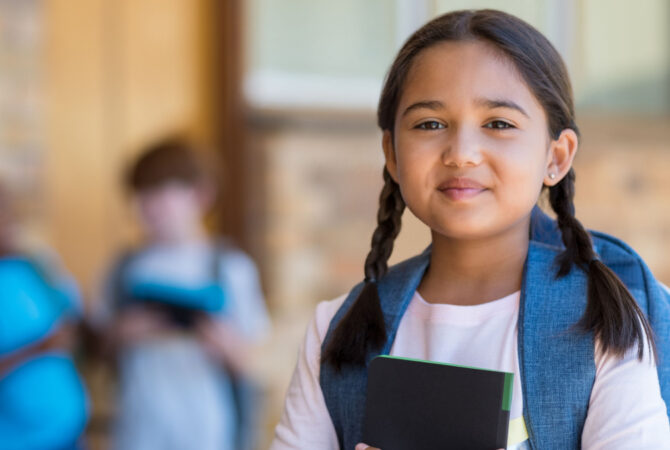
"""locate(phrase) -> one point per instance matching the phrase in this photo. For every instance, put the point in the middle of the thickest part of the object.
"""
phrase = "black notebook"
(423, 405)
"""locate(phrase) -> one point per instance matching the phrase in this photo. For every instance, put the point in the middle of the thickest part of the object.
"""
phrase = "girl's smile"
(461, 189)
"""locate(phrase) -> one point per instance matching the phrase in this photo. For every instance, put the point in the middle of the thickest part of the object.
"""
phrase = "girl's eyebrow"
(428, 104)
(500, 103)
(484, 102)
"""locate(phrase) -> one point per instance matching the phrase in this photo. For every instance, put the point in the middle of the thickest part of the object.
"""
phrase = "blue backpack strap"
(659, 315)
(247, 396)
(544, 229)
(651, 296)
(344, 391)
(556, 361)
(118, 284)
(221, 248)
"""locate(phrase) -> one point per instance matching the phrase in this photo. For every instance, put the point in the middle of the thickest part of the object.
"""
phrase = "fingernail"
(362, 446)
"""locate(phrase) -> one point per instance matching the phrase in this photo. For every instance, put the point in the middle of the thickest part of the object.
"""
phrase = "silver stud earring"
(552, 176)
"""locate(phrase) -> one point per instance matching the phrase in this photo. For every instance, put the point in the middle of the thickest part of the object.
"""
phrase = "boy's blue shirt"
(556, 360)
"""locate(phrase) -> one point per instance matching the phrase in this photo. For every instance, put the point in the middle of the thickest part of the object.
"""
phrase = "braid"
(578, 246)
(362, 327)
(612, 313)
(391, 207)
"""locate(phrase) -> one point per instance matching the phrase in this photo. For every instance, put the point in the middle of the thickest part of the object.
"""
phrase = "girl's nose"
(462, 148)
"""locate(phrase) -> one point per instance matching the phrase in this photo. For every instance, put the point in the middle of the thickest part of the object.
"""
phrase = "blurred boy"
(183, 311)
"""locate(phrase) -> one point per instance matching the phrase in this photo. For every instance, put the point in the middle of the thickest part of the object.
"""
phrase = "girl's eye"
(499, 125)
(430, 125)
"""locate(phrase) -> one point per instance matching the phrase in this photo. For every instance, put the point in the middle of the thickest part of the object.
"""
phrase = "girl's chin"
(478, 228)
(460, 235)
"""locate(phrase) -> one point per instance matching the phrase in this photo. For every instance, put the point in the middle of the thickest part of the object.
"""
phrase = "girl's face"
(471, 148)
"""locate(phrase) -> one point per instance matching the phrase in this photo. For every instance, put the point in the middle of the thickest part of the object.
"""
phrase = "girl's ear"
(562, 152)
(389, 155)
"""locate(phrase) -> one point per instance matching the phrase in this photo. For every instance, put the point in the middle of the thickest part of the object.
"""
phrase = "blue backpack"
(557, 367)
(43, 402)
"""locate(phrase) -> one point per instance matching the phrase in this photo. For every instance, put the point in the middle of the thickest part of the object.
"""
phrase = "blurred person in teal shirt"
(43, 401)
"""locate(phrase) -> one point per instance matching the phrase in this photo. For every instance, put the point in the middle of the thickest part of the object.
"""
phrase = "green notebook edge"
(507, 391)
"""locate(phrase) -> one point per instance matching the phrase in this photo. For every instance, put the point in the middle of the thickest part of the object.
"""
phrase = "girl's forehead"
(463, 71)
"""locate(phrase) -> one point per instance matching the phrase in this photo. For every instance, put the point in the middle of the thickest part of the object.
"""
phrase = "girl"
(477, 118)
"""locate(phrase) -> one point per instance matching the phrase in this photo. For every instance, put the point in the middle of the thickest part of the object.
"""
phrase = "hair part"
(612, 313)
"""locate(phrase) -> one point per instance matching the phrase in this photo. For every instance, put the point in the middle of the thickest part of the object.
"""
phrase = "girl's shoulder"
(627, 264)
(611, 250)
(324, 313)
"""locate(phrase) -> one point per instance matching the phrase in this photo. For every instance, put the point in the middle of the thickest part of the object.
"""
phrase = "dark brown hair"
(612, 313)
(171, 159)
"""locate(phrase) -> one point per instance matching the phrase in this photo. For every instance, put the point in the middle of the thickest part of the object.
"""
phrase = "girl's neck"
(471, 272)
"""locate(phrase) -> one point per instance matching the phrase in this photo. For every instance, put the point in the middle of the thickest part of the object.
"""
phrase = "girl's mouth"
(461, 188)
(456, 194)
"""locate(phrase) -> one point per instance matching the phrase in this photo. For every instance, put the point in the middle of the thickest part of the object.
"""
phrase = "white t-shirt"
(626, 410)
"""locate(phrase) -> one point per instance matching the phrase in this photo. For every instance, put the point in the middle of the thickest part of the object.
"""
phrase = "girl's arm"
(305, 421)
(626, 409)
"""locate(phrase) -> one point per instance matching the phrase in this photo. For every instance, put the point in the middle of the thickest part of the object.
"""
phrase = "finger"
(362, 446)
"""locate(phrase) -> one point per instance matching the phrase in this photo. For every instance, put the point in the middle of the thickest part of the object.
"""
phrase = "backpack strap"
(247, 396)
(119, 291)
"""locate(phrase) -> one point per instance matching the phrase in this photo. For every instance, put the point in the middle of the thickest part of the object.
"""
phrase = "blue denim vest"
(556, 362)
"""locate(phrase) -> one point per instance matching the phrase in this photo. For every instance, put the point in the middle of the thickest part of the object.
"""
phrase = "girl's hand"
(362, 446)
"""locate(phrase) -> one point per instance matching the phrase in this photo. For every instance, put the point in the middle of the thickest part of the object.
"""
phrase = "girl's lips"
(461, 188)
(456, 194)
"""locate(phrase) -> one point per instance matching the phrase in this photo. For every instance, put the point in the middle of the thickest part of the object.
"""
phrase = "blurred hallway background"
(283, 93)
